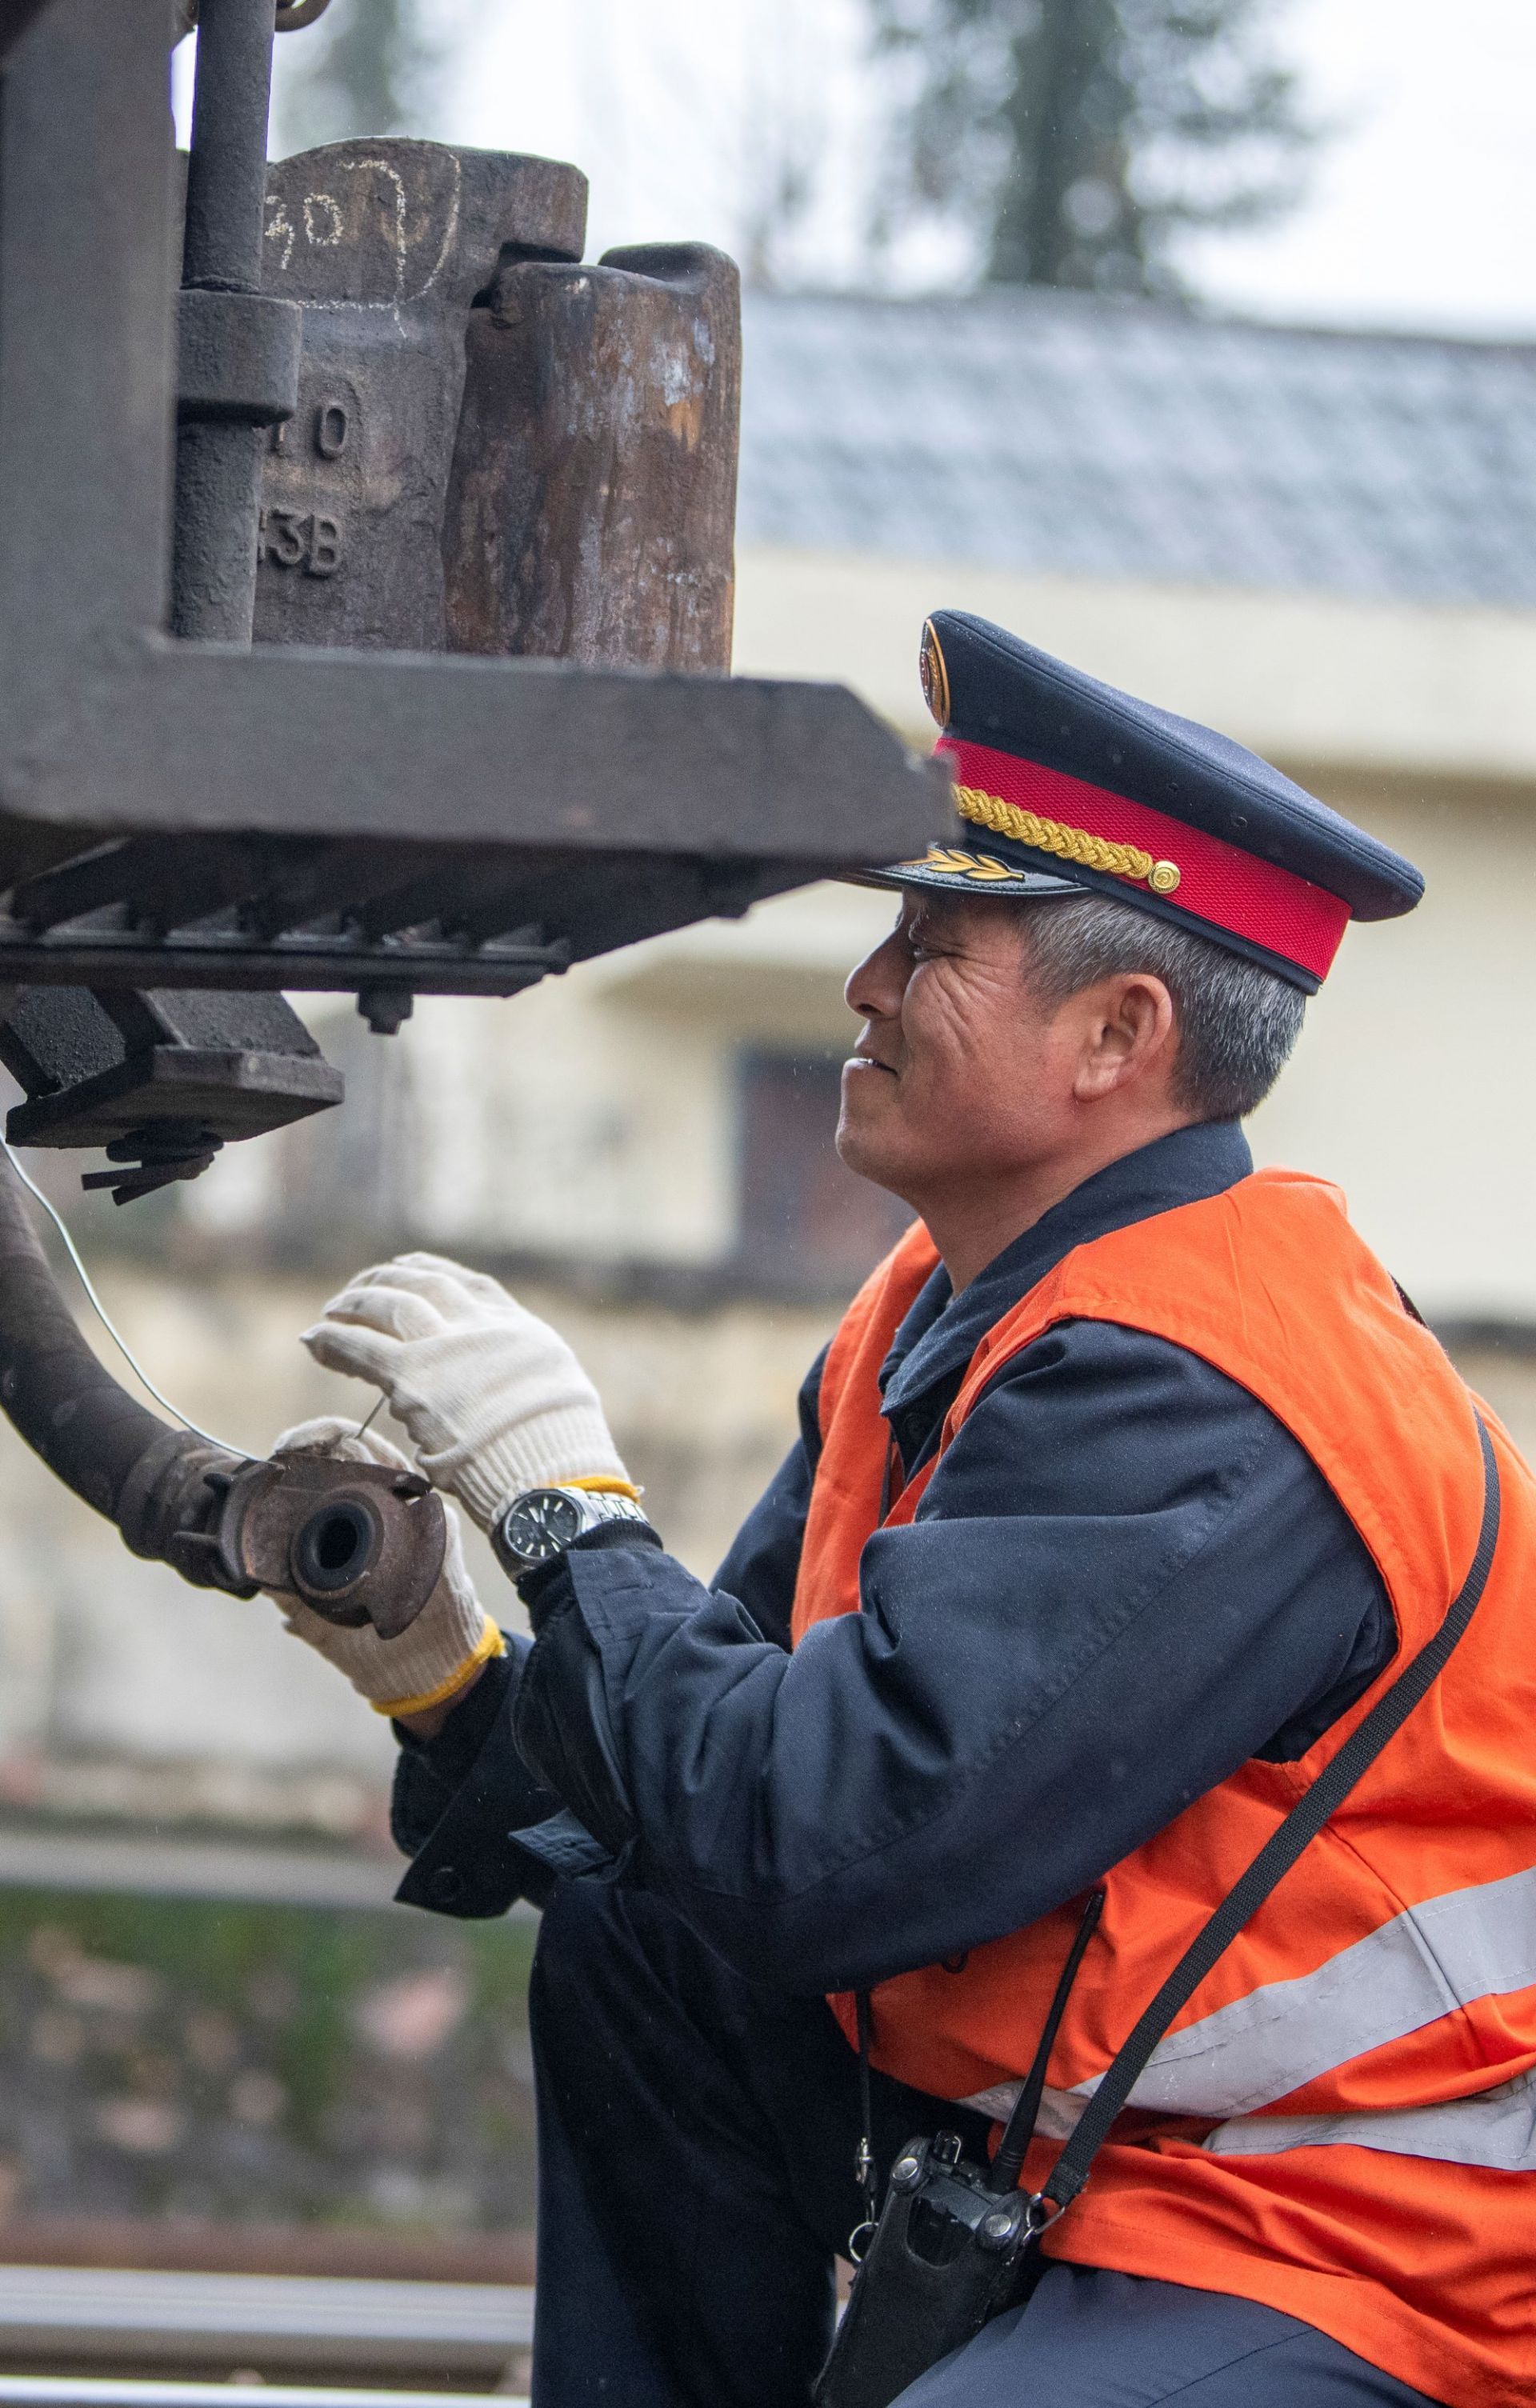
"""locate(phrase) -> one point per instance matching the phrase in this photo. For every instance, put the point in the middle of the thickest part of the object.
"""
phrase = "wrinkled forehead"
(987, 920)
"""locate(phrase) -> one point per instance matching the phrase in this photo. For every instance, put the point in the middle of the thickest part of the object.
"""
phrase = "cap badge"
(935, 677)
(1090, 851)
(984, 869)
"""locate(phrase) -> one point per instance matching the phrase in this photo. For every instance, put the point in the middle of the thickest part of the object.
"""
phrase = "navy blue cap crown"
(1063, 783)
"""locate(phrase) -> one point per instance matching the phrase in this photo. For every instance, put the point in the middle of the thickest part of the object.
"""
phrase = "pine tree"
(1078, 138)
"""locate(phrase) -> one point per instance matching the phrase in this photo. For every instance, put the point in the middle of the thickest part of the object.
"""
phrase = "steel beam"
(453, 749)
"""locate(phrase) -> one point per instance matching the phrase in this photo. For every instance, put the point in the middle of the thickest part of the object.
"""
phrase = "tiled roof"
(1037, 431)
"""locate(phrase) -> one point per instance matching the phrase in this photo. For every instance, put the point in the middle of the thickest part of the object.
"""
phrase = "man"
(1122, 1491)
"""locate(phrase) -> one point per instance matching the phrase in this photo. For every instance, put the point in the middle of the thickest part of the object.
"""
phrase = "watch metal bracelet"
(542, 1523)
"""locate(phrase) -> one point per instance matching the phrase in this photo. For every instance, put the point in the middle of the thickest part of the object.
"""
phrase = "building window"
(804, 1222)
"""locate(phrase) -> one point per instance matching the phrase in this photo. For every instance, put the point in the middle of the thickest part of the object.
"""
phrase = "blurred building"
(1325, 544)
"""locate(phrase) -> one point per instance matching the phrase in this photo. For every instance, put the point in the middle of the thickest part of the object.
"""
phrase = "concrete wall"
(1410, 1085)
(1304, 677)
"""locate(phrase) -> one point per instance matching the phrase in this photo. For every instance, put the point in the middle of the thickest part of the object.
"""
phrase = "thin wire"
(113, 1332)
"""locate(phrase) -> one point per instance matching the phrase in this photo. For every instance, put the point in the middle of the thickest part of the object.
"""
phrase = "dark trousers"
(696, 2140)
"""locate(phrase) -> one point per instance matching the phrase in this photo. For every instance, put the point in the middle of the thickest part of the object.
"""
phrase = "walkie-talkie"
(954, 2245)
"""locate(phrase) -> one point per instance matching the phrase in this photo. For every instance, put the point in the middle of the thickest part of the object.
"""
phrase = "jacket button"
(446, 1885)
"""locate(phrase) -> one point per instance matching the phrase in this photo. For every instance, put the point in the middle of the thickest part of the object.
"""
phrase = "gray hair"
(1237, 1021)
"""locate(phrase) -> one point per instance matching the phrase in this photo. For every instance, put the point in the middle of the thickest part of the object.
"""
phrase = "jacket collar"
(943, 1331)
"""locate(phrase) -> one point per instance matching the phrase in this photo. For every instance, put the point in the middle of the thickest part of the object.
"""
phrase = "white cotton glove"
(451, 1636)
(493, 1399)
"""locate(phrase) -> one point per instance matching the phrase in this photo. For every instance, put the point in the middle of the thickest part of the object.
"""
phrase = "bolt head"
(905, 2172)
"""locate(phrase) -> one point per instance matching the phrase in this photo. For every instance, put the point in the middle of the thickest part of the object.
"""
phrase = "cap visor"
(954, 869)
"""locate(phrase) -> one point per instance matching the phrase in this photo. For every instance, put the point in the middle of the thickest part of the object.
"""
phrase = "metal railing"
(466, 2336)
(69, 2391)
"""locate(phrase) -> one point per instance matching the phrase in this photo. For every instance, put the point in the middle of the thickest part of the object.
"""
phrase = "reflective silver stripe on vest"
(1496, 2128)
(1467, 1944)
(1058, 2109)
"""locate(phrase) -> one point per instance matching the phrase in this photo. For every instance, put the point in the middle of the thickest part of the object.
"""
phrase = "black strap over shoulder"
(1276, 1857)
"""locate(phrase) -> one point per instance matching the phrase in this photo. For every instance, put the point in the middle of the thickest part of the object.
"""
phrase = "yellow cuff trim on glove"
(602, 1483)
(490, 1644)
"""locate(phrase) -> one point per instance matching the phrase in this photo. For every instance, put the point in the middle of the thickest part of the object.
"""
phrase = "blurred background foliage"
(363, 70)
(1063, 142)
(1078, 138)
(187, 2059)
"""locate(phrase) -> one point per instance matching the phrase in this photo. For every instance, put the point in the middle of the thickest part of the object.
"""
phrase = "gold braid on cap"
(1067, 843)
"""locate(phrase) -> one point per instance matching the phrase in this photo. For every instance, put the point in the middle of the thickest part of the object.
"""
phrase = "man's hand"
(418, 1677)
(493, 1399)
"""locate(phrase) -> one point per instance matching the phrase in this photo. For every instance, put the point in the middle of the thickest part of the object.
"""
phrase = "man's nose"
(876, 986)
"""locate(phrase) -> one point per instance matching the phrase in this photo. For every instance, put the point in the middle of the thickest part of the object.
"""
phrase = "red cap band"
(1218, 881)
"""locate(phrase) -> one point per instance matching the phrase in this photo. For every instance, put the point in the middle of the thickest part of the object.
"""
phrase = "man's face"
(959, 1073)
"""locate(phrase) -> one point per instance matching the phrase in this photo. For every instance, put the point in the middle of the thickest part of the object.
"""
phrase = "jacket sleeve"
(460, 1799)
(1125, 1579)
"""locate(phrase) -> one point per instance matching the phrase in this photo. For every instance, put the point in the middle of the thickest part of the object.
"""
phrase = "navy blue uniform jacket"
(1125, 1579)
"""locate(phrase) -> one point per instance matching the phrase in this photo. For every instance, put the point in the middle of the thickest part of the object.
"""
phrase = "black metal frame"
(580, 807)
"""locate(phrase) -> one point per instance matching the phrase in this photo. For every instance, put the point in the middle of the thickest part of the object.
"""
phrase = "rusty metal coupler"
(357, 1542)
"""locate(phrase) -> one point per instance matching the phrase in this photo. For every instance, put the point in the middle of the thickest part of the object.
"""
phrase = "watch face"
(541, 1523)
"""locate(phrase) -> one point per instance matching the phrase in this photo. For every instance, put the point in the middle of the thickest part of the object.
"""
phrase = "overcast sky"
(1422, 214)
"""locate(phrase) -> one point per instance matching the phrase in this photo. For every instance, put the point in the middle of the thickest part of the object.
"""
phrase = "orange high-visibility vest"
(1342, 2122)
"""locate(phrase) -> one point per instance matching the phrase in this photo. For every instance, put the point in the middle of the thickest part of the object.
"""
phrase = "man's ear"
(1129, 1033)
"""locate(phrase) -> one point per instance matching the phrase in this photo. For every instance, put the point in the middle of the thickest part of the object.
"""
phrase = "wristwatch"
(543, 1522)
